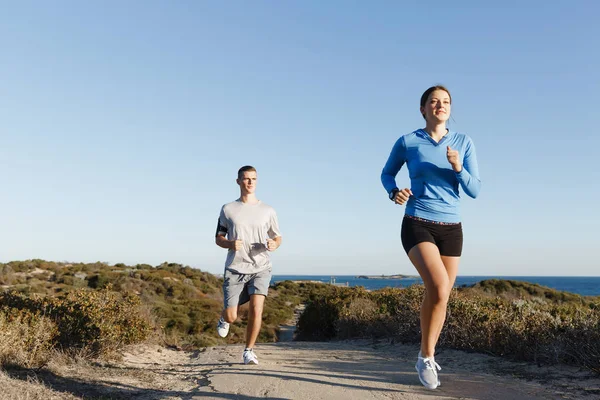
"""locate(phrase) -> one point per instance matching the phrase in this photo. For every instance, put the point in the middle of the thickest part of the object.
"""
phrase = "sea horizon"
(485, 276)
(582, 285)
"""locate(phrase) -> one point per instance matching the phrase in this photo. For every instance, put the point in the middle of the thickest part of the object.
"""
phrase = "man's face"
(247, 182)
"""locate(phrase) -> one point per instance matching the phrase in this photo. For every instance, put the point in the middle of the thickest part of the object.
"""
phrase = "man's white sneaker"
(427, 369)
(222, 327)
(250, 357)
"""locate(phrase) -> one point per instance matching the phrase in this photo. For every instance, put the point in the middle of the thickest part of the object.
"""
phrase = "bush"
(185, 301)
(100, 321)
(511, 290)
(544, 332)
(99, 281)
(27, 338)
(322, 313)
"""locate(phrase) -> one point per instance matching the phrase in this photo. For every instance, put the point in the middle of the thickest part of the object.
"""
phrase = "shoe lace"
(431, 364)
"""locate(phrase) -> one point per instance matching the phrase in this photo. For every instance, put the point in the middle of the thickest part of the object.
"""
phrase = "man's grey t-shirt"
(253, 224)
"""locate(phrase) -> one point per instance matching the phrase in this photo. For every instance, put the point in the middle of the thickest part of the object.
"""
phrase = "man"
(248, 228)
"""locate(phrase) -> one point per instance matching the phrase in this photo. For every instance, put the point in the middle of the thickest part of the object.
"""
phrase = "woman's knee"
(439, 294)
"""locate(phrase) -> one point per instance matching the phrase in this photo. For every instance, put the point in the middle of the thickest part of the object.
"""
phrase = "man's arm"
(222, 241)
(221, 235)
(274, 240)
(273, 244)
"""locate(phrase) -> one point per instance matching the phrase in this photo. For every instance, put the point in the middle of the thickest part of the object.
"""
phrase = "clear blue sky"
(122, 126)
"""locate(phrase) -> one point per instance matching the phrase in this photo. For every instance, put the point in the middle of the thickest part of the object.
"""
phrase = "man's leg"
(230, 314)
(234, 292)
(257, 302)
(258, 288)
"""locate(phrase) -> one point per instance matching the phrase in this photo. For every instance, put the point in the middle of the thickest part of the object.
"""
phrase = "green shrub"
(100, 321)
(564, 330)
(99, 281)
(185, 302)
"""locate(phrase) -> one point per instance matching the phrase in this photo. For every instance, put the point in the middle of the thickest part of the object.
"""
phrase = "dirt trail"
(307, 370)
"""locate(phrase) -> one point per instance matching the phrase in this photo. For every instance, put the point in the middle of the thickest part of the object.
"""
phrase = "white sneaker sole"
(221, 330)
(425, 384)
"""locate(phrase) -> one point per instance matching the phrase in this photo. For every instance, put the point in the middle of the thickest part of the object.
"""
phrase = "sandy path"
(301, 370)
(348, 370)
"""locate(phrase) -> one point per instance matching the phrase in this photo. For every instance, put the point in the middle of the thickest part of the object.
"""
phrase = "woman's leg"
(438, 279)
(451, 264)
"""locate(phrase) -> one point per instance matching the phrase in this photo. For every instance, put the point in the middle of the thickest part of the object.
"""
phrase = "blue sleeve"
(395, 161)
(469, 176)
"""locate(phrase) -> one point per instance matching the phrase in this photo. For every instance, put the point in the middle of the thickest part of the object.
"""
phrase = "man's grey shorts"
(237, 288)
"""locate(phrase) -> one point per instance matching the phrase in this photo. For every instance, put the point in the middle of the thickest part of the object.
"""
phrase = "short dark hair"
(432, 89)
(245, 168)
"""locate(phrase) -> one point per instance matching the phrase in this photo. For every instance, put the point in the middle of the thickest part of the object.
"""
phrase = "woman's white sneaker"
(427, 369)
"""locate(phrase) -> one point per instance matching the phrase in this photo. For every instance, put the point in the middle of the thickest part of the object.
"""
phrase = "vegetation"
(516, 320)
(510, 289)
(97, 322)
(97, 308)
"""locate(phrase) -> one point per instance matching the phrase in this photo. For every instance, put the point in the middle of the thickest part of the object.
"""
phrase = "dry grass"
(31, 389)
(100, 321)
(27, 339)
(184, 303)
(550, 330)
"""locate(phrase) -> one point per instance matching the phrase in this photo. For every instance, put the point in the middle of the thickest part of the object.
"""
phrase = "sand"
(309, 370)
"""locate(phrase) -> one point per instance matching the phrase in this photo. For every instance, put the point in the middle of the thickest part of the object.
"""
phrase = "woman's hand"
(454, 159)
(402, 196)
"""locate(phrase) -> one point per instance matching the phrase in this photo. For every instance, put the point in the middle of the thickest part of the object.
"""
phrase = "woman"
(439, 161)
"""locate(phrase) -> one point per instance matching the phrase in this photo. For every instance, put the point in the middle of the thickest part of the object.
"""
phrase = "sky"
(123, 125)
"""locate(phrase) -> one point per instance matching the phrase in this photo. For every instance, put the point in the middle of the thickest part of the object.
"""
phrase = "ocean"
(583, 285)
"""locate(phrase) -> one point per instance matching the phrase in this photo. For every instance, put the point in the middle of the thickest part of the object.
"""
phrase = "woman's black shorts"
(447, 237)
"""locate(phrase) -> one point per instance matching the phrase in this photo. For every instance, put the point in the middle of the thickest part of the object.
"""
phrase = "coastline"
(584, 286)
(398, 276)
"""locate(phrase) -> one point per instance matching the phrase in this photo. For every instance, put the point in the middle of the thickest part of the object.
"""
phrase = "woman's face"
(437, 107)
